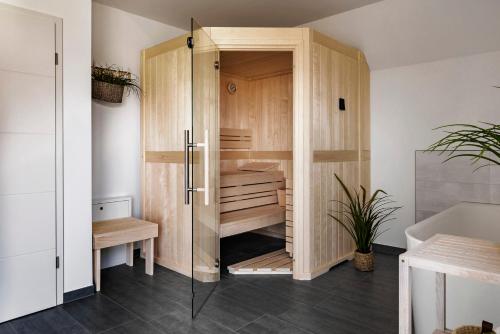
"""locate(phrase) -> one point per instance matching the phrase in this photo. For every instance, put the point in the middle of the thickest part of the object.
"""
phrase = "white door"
(27, 162)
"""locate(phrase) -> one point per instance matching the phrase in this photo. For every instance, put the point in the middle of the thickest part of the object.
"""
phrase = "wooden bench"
(235, 138)
(249, 201)
(109, 233)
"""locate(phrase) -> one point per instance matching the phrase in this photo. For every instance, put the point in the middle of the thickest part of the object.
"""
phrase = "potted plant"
(108, 83)
(362, 217)
(485, 141)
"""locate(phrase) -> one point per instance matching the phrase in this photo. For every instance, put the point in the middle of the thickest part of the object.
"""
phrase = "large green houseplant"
(478, 143)
(362, 216)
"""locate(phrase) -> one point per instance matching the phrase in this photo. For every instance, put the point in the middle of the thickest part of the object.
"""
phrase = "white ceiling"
(236, 13)
(395, 33)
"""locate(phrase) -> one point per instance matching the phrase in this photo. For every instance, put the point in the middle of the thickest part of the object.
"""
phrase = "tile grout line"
(110, 329)
(72, 317)
(236, 330)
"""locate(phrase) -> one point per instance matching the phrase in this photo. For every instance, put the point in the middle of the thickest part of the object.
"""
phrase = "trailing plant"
(115, 75)
(362, 216)
(472, 141)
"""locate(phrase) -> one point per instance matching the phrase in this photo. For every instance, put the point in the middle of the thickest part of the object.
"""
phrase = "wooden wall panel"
(364, 110)
(166, 83)
(336, 143)
(265, 106)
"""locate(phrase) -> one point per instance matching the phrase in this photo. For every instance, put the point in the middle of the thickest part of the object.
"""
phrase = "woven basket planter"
(468, 330)
(364, 262)
(107, 92)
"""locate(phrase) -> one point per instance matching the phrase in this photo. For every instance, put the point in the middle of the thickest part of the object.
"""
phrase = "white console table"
(446, 255)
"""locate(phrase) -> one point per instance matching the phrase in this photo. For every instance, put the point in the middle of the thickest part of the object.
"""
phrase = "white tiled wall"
(439, 185)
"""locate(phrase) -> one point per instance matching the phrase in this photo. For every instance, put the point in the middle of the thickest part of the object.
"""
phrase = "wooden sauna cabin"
(231, 122)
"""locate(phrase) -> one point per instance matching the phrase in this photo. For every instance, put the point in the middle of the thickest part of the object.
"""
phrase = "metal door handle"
(206, 176)
(188, 188)
(187, 185)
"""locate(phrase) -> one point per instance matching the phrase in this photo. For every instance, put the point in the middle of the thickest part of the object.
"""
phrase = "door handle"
(206, 164)
(188, 188)
(187, 185)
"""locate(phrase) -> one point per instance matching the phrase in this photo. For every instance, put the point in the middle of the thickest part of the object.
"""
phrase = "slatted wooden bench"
(249, 201)
(109, 233)
(235, 138)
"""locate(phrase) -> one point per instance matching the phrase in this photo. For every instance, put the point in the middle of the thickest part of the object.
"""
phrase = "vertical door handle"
(206, 168)
(186, 167)
(206, 163)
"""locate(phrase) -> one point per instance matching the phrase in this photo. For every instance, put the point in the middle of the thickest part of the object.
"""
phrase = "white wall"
(407, 103)
(447, 77)
(395, 33)
(76, 15)
(118, 38)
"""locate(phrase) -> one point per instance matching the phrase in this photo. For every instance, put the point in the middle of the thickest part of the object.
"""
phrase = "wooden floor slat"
(277, 262)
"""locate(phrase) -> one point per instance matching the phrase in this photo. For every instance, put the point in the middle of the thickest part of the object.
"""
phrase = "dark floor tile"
(229, 312)
(287, 287)
(369, 295)
(179, 321)
(6, 328)
(135, 327)
(145, 301)
(342, 275)
(319, 321)
(54, 320)
(98, 313)
(170, 284)
(268, 324)
(258, 299)
(376, 316)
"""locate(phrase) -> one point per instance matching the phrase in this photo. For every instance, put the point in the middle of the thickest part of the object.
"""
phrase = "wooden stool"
(109, 233)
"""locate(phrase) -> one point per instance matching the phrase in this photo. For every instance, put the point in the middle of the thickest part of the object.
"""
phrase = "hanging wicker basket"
(364, 261)
(107, 92)
(469, 330)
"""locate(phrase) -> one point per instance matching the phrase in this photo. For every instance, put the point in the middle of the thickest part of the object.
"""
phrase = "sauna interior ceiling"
(254, 65)
(236, 13)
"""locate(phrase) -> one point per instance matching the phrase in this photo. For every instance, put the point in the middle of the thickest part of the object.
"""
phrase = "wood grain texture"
(166, 83)
(251, 65)
(262, 105)
(468, 258)
(273, 263)
(364, 123)
(335, 144)
(248, 201)
(458, 256)
(205, 170)
(108, 233)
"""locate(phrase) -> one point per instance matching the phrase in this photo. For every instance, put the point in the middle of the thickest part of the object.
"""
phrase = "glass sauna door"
(204, 166)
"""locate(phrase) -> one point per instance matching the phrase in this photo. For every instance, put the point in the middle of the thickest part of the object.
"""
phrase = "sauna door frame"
(297, 41)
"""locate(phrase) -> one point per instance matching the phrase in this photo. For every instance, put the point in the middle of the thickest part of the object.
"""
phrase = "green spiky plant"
(470, 141)
(362, 216)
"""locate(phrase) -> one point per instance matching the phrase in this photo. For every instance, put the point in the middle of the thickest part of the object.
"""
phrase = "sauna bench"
(109, 233)
(446, 255)
(249, 201)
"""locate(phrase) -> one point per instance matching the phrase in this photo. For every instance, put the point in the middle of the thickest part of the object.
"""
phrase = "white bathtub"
(468, 302)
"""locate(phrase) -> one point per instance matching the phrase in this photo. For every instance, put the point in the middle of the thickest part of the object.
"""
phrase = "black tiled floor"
(341, 301)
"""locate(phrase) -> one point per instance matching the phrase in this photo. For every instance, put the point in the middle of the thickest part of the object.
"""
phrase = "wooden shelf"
(458, 256)
(445, 255)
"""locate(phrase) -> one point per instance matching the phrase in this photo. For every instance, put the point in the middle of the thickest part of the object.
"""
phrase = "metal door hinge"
(216, 64)
(57, 262)
(57, 58)
(217, 263)
(190, 43)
